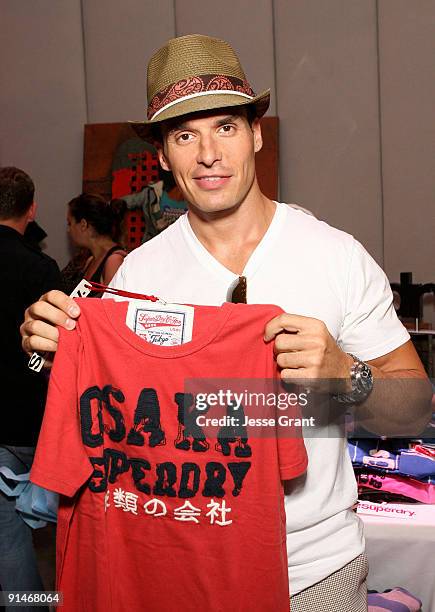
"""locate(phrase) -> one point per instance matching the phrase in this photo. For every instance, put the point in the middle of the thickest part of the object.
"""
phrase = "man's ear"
(31, 213)
(258, 138)
(163, 159)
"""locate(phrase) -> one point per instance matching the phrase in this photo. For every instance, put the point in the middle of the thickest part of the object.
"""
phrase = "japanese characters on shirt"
(128, 502)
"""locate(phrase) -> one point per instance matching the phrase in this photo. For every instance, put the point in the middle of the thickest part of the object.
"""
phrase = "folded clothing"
(35, 504)
(395, 600)
(399, 485)
(378, 497)
(407, 458)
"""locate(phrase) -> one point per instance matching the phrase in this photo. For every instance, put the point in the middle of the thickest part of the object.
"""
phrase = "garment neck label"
(164, 325)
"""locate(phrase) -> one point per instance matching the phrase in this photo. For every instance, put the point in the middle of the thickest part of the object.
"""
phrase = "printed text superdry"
(214, 479)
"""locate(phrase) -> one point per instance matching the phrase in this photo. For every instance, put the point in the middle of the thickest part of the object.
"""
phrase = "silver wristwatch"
(362, 383)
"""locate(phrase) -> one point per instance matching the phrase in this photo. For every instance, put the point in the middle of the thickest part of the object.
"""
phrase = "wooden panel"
(267, 158)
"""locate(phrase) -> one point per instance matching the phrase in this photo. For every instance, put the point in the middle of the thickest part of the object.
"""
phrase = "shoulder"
(45, 259)
(36, 257)
(48, 270)
(41, 273)
(304, 227)
(118, 254)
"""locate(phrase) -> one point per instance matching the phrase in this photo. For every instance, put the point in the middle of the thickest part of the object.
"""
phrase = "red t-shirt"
(156, 512)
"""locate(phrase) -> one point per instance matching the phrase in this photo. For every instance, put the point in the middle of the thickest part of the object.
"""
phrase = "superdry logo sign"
(147, 321)
(161, 324)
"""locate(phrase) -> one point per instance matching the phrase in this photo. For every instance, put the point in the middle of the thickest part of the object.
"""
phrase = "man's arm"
(398, 405)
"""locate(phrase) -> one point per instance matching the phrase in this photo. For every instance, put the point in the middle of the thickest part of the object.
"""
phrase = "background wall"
(351, 83)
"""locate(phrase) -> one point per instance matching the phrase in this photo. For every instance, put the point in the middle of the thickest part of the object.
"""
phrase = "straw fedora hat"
(195, 73)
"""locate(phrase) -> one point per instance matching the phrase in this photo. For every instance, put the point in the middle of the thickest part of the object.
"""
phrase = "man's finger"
(38, 336)
(295, 375)
(59, 300)
(32, 344)
(294, 360)
(285, 322)
(285, 342)
(40, 328)
(50, 313)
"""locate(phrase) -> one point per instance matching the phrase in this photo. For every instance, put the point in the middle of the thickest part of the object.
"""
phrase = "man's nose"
(209, 151)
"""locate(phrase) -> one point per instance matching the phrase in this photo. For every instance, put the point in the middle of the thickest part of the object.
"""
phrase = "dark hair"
(16, 193)
(105, 217)
(251, 113)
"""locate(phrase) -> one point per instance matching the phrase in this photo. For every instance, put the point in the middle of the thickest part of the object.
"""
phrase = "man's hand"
(306, 351)
(399, 404)
(38, 331)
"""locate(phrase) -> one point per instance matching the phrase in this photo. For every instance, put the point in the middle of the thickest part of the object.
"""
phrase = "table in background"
(401, 552)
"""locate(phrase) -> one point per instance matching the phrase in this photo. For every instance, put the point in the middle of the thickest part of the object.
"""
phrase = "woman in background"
(95, 227)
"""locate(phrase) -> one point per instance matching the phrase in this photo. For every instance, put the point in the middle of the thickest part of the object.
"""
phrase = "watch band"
(362, 383)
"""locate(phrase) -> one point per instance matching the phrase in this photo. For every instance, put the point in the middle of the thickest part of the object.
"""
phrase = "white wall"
(43, 104)
(326, 62)
(119, 37)
(407, 102)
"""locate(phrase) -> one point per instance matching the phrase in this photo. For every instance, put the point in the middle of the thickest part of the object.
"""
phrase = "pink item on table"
(396, 600)
(409, 487)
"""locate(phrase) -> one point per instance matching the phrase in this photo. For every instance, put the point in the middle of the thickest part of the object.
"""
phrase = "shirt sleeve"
(61, 463)
(299, 459)
(292, 454)
(293, 458)
(370, 326)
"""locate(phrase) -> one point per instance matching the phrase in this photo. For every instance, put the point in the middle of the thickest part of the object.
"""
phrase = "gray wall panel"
(246, 25)
(43, 105)
(407, 52)
(119, 39)
(326, 60)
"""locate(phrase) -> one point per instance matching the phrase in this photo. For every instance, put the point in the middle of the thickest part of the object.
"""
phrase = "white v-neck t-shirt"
(308, 268)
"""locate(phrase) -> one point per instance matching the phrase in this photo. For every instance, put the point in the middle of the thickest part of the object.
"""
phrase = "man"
(24, 274)
(204, 118)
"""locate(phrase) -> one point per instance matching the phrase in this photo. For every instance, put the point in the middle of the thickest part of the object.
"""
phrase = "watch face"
(365, 377)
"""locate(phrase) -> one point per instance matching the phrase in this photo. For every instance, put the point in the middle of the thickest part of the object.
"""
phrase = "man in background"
(25, 273)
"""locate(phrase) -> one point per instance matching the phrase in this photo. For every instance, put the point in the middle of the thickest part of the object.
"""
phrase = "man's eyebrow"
(176, 126)
(227, 119)
(220, 122)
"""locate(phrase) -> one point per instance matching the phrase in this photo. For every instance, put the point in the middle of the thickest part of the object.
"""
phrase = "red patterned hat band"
(197, 86)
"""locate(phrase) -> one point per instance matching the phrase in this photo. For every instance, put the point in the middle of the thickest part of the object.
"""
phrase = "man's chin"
(213, 209)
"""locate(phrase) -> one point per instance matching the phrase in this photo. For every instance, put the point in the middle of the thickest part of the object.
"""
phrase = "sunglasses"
(237, 291)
